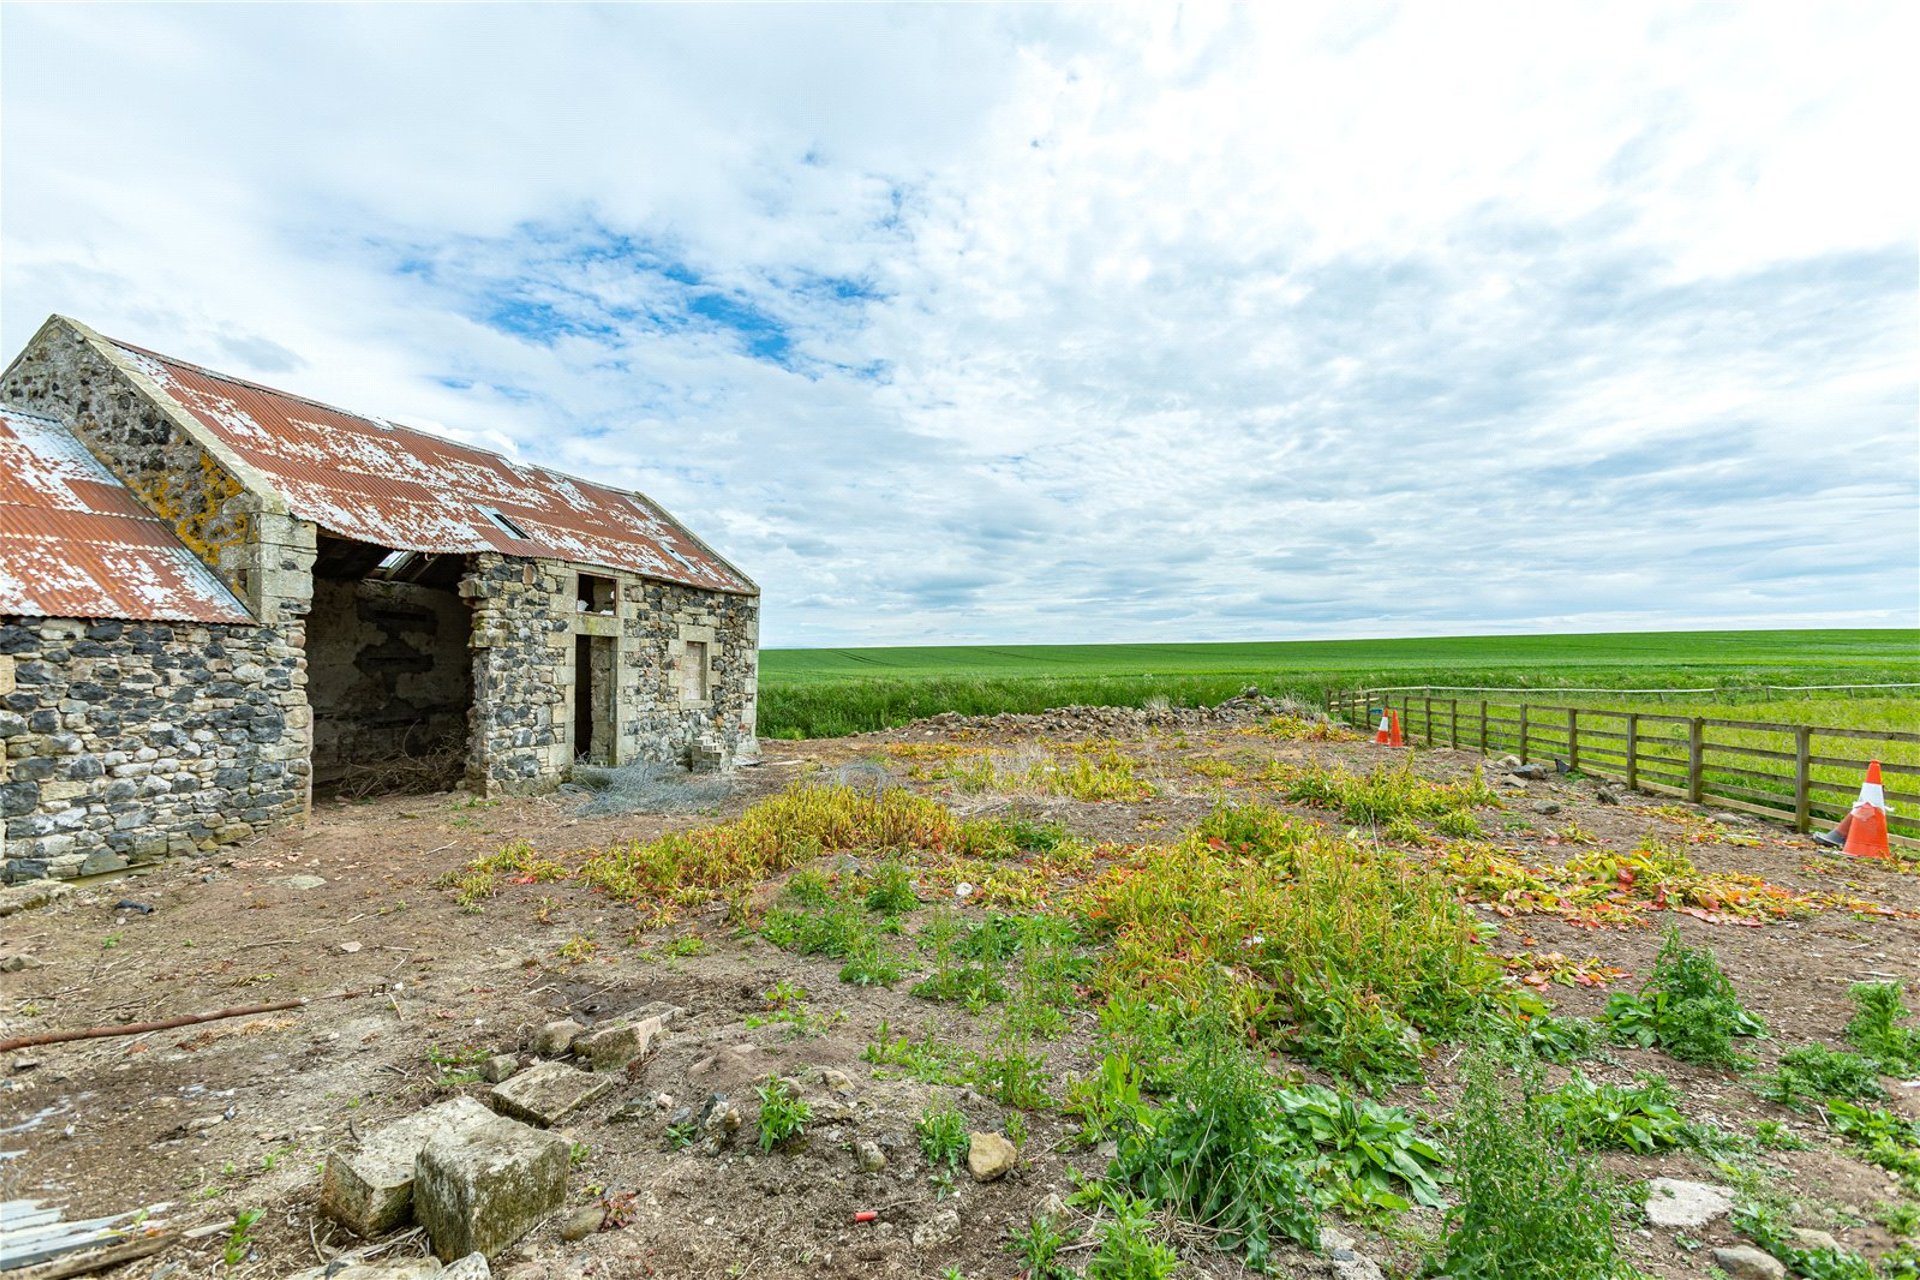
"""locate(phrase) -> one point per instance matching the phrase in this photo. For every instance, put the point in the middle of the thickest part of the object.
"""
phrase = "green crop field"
(830, 692)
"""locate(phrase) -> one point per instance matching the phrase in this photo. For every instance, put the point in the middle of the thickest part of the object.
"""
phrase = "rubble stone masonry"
(129, 741)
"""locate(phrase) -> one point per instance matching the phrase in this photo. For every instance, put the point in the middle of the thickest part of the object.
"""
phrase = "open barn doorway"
(389, 669)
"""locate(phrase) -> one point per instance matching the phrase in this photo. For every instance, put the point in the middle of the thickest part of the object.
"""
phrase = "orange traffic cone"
(1395, 740)
(1382, 735)
(1863, 832)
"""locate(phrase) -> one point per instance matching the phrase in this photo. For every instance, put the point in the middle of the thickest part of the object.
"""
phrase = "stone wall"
(127, 741)
(522, 658)
(525, 628)
(664, 721)
(388, 672)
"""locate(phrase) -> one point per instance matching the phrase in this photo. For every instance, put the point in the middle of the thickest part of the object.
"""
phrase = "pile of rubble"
(477, 1178)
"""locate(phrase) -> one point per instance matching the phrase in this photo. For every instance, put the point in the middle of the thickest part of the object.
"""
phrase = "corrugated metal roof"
(75, 543)
(368, 479)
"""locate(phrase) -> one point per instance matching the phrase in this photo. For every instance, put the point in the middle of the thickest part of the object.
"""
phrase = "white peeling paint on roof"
(380, 482)
(67, 552)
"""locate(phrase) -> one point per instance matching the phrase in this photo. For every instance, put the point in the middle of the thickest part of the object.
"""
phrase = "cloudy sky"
(961, 324)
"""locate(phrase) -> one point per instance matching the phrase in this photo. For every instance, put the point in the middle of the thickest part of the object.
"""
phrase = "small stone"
(1348, 1262)
(480, 1188)
(1509, 762)
(836, 1081)
(500, 1066)
(1744, 1262)
(989, 1156)
(1674, 1202)
(631, 1110)
(668, 1014)
(941, 1228)
(370, 1190)
(872, 1158)
(547, 1093)
(349, 948)
(1547, 807)
(1811, 1239)
(301, 883)
(472, 1267)
(1532, 772)
(1607, 795)
(582, 1223)
(719, 1120)
(663, 1101)
(556, 1038)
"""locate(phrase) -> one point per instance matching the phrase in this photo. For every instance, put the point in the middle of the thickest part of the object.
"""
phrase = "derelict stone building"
(215, 596)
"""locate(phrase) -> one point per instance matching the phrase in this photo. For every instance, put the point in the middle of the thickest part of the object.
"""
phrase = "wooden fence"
(1796, 773)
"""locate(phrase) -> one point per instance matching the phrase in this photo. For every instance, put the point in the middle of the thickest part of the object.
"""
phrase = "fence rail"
(1766, 768)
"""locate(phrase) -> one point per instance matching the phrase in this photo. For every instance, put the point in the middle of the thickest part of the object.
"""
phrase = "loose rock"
(556, 1038)
(989, 1156)
(480, 1188)
(1546, 807)
(1532, 772)
(1607, 795)
(370, 1190)
(582, 1223)
(1673, 1202)
(1744, 1262)
(612, 1046)
(1808, 1238)
(1348, 1262)
(547, 1093)
(499, 1067)
(872, 1158)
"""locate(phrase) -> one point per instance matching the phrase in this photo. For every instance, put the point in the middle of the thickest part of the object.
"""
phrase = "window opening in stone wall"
(389, 669)
(593, 684)
(693, 674)
(596, 595)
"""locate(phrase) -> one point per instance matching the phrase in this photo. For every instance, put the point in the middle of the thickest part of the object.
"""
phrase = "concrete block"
(613, 1045)
(370, 1191)
(479, 1189)
(557, 1038)
(546, 1093)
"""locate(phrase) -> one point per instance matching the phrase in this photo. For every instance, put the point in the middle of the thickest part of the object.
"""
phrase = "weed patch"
(1531, 1206)
(1876, 1030)
(1686, 1007)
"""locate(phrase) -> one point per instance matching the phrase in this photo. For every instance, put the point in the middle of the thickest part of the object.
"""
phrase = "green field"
(830, 692)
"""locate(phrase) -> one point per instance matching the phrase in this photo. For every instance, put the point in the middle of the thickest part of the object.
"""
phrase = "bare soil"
(238, 1114)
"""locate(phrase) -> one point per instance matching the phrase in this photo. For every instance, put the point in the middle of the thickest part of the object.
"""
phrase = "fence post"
(1573, 738)
(1696, 757)
(1633, 750)
(1453, 734)
(1427, 710)
(1523, 733)
(1483, 726)
(1802, 777)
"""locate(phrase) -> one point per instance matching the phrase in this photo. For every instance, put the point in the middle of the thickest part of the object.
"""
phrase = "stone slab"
(480, 1188)
(1673, 1202)
(613, 1045)
(546, 1093)
(370, 1190)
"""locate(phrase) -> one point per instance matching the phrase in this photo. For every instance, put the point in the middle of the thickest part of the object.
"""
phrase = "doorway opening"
(593, 691)
(389, 669)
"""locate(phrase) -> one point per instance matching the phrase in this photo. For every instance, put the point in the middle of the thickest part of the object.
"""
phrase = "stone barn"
(215, 596)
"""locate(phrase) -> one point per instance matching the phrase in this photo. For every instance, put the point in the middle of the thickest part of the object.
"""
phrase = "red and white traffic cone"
(1863, 832)
(1383, 735)
(1395, 740)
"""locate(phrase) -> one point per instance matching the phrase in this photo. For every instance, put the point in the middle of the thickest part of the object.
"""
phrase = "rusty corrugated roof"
(377, 482)
(75, 543)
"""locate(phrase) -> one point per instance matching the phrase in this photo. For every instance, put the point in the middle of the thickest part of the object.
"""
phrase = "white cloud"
(1161, 322)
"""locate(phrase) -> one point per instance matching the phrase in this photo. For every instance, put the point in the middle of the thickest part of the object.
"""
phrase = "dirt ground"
(236, 1115)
